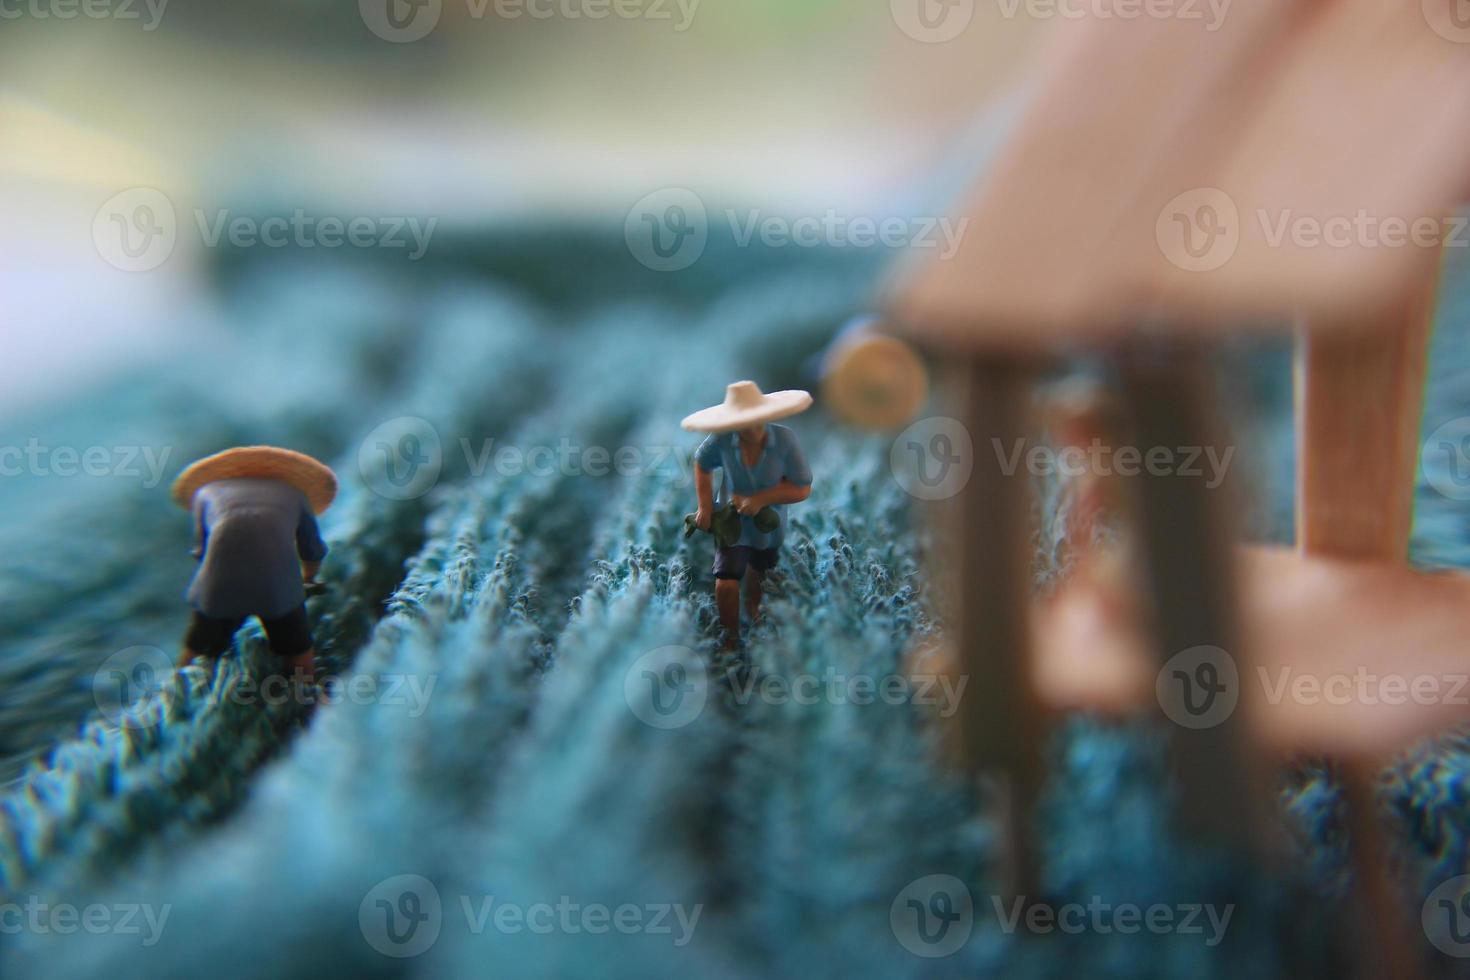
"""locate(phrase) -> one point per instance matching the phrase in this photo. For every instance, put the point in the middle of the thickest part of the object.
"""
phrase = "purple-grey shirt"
(252, 537)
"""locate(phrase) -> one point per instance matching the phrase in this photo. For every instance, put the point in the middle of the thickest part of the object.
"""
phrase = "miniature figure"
(259, 549)
(764, 469)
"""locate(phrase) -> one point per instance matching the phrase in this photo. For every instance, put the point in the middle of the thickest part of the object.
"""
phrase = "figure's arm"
(309, 545)
(784, 492)
(201, 531)
(704, 490)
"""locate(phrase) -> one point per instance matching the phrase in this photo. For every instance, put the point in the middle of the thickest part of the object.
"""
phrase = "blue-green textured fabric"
(528, 597)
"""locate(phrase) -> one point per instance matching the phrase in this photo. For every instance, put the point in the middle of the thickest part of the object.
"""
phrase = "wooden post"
(1000, 725)
(1360, 400)
(1188, 557)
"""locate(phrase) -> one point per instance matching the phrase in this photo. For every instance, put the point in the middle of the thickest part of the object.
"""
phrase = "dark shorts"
(289, 636)
(730, 563)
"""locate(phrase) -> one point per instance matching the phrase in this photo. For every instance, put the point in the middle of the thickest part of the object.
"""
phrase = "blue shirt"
(780, 459)
(252, 537)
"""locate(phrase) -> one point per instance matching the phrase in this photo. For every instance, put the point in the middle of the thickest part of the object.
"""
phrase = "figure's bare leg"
(303, 666)
(727, 598)
(754, 578)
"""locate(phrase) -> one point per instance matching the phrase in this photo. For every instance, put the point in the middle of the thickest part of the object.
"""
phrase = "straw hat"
(316, 480)
(874, 381)
(745, 406)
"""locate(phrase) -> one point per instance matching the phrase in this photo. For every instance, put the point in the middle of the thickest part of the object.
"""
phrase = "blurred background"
(460, 111)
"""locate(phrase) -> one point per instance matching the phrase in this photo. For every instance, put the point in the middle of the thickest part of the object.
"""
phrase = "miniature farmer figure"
(763, 470)
(258, 548)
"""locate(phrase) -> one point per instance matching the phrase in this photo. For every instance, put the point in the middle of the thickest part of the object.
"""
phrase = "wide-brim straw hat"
(312, 477)
(745, 406)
